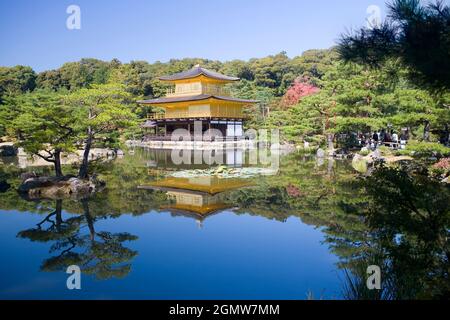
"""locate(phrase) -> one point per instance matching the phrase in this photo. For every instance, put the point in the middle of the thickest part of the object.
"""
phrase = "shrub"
(364, 152)
(385, 150)
(441, 168)
(426, 149)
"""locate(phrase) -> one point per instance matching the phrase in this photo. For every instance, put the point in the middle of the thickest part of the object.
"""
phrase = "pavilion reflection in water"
(162, 159)
(197, 197)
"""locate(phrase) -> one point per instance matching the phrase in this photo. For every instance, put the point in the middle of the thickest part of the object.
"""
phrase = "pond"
(154, 234)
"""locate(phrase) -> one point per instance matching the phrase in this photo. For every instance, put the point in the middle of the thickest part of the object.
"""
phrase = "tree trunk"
(83, 173)
(57, 163)
(446, 135)
(426, 131)
(89, 219)
(58, 211)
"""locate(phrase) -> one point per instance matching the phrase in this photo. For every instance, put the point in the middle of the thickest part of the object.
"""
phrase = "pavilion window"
(238, 129)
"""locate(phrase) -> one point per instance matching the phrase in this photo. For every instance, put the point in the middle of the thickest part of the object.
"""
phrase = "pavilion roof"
(199, 210)
(194, 98)
(187, 185)
(195, 72)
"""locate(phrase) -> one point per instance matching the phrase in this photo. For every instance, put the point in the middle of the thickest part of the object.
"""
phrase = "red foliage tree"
(299, 88)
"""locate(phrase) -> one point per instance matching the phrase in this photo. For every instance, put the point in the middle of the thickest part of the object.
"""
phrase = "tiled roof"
(195, 72)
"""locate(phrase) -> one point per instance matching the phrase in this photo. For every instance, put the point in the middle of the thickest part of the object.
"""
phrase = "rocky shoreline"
(59, 187)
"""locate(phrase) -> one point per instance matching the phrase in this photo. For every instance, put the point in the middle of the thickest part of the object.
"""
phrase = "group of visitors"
(385, 137)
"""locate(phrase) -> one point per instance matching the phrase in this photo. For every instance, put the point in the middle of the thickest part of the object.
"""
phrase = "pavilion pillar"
(209, 129)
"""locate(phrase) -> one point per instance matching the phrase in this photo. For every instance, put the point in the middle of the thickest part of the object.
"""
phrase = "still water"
(150, 235)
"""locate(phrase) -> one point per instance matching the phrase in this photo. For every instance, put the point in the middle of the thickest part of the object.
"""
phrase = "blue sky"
(34, 33)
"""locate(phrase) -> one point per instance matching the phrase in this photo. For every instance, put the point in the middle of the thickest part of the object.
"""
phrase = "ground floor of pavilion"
(213, 129)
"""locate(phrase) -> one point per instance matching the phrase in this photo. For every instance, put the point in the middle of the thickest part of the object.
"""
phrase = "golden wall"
(213, 109)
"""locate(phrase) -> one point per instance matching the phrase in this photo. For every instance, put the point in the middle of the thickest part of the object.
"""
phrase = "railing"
(154, 116)
(194, 138)
(214, 90)
(194, 114)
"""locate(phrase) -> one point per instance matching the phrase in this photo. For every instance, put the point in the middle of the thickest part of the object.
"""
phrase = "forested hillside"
(308, 97)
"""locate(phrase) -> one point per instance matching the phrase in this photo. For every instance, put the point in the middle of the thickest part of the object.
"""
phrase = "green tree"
(99, 113)
(417, 35)
(136, 76)
(16, 80)
(43, 125)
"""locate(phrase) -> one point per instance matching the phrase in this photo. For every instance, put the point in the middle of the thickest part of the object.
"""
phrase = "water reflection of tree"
(396, 218)
(408, 216)
(121, 194)
(99, 253)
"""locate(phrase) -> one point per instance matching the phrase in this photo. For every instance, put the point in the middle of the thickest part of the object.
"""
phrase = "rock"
(120, 153)
(320, 153)
(27, 175)
(7, 149)
(36, 182)
(58, 187)
(21, 153)
(80, 186)
(360, 163)
(375, 155)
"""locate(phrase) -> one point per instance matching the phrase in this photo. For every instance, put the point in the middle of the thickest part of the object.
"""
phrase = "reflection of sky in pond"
(232, 256)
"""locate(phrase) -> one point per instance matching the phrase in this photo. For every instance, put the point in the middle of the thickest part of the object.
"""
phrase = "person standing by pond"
(375, 139)
(387, 139)
(382, 136)
(395, 139)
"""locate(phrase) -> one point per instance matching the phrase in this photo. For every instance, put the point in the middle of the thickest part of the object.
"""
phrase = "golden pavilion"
(197, 94)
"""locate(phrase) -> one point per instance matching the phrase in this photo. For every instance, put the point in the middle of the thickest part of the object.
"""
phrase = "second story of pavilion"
(198, 93)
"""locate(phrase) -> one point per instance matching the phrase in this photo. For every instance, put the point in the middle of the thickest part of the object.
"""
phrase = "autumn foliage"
(300, 88)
